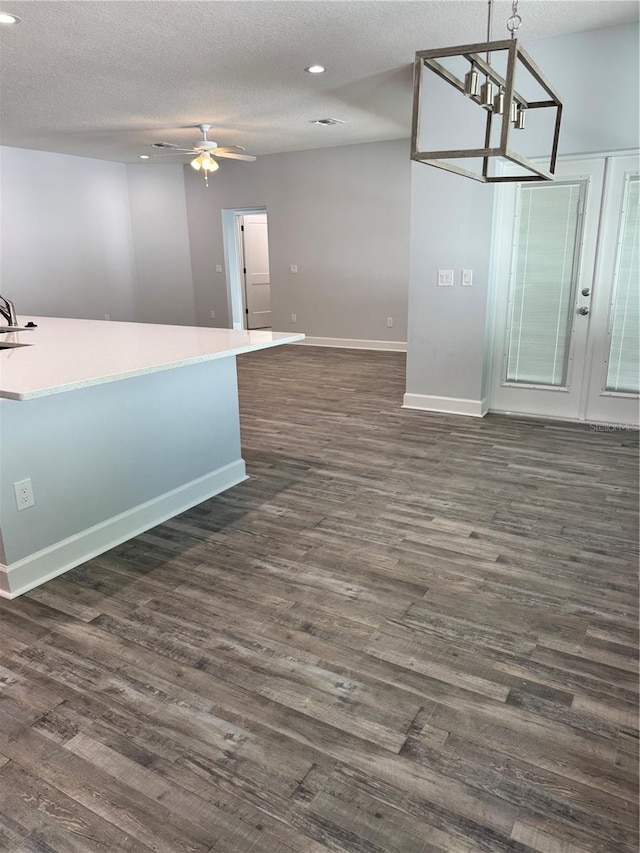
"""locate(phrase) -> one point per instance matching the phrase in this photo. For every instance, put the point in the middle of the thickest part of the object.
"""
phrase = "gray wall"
(450, 229)
(596, 74)
(164, 292)
(66, 236)
(85, 238)
(340, 214)
(598, 77)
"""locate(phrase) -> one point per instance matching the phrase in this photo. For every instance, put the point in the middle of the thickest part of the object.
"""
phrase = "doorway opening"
(246, 250)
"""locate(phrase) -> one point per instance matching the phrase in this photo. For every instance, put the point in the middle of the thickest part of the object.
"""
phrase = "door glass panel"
(543, 280)
(624, 349)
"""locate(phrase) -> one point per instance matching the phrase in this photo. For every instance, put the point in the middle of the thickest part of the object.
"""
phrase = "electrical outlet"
(218, 267)
(294, 318)
(212, 314)
(24, 494)
(293, 268)
(107, 316)
(389, 322)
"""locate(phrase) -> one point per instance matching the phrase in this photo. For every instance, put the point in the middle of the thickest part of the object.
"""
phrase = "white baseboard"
(44, 565)
(354, 343)
(445, 405)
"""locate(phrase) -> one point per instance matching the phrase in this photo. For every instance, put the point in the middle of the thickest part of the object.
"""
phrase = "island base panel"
(110, 461)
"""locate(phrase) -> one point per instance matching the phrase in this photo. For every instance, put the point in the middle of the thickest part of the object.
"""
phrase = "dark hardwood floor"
(406, 633)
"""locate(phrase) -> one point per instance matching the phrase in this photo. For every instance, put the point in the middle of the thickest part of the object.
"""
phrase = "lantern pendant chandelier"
(489, 83)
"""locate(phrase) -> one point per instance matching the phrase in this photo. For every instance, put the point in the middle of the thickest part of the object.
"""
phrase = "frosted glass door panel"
(623, 371)
(543, 283)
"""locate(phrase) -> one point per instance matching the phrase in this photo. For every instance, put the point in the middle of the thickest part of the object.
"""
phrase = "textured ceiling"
(107, 79)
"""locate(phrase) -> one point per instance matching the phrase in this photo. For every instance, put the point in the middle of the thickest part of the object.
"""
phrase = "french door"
(567, 311)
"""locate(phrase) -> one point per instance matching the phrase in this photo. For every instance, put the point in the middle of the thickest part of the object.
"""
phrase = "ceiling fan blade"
(247, 157)
(173, 154)
(229, 149)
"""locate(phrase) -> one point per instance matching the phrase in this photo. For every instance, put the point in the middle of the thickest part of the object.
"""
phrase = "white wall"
(596, 74)
(340, 214)
(164, 291)
(66, 247)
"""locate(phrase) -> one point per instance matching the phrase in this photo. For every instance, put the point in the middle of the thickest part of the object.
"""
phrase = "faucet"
(9, 311)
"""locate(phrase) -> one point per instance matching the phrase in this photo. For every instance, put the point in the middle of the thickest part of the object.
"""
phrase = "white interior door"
(614, 381)
(257, 279)
(545, 280)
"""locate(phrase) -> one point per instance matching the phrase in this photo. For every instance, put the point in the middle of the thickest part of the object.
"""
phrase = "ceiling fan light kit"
(205, 162)
(490, 85)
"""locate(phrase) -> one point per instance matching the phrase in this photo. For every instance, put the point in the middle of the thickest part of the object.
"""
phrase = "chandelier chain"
(515, 21)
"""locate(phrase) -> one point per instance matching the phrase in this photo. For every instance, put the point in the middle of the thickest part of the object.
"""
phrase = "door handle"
(584, 310)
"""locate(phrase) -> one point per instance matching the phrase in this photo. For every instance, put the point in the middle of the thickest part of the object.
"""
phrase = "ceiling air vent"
(327, 122)
(163, 145)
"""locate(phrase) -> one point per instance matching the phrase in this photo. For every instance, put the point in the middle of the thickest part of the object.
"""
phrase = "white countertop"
(70, 354)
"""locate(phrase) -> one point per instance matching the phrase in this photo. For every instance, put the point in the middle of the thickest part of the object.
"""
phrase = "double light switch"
(446, 277)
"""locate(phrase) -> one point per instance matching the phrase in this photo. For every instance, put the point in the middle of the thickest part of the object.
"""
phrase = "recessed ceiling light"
(144, 156)
(327, 122)
(315, 69)
(6, 18)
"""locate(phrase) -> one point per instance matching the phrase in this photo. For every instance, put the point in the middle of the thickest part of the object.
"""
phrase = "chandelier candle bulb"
(486, 94)
(498, 103)
(471, 83)
(521, 118)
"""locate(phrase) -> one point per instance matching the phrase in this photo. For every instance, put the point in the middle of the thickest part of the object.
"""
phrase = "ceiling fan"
(205, 151)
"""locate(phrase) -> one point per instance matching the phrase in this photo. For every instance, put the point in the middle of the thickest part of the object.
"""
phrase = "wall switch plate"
(24, 494)
(467, 278)
(212, 314)
(218, 267)
(445, 278)
(389, 322)
(293, 268)
(294, 318)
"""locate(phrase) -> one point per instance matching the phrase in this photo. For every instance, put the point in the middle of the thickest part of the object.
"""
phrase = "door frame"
(234, 261)
(500, 265)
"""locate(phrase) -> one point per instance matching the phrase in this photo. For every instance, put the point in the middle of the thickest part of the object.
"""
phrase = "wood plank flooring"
(406, 633)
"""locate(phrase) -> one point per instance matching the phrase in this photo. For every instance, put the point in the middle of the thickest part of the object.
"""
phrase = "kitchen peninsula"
(117, 427)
